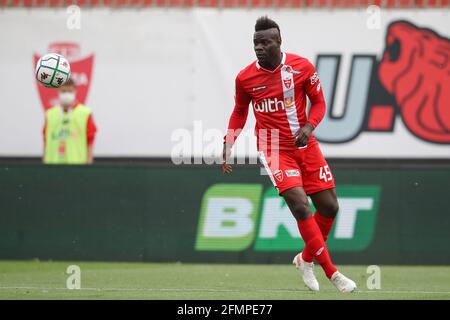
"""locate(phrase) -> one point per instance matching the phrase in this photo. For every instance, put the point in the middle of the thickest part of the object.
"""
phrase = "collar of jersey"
(283, 60)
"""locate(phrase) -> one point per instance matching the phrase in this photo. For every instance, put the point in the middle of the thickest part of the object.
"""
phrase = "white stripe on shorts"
(263, 159)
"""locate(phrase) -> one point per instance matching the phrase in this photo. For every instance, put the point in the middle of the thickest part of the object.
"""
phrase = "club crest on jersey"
(287, 82)
(278, 174)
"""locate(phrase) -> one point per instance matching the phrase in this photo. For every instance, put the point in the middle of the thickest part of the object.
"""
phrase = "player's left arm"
(313, 89)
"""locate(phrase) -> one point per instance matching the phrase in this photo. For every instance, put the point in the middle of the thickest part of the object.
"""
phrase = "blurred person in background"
(69, 130)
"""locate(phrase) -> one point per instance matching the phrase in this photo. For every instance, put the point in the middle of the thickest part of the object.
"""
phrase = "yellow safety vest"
(66, 136)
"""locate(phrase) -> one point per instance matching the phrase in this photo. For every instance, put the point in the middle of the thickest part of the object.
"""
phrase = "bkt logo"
(411, 80)
(273, 105)
(235, 216)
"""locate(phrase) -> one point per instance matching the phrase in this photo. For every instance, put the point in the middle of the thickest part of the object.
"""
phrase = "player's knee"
(301, 210)
(330, 209)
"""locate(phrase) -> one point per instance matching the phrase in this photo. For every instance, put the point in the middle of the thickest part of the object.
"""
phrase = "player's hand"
(226, 168)
(303, 135)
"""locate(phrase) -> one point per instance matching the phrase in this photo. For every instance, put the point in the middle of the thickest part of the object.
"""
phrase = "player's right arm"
(236, 123)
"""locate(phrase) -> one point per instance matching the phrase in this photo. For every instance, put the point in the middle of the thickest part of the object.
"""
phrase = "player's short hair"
(69, 82)
(264, 23)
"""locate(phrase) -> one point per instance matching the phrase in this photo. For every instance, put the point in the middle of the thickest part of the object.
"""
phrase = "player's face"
(267, 45)
(67, 95)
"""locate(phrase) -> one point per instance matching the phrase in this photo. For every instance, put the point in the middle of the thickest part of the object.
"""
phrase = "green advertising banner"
(236, 216)
(197, 214)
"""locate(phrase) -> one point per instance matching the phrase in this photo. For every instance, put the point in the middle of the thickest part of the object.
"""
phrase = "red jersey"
(278, 99)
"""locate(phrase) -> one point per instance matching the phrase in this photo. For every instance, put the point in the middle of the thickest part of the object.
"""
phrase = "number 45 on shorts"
(325, 173)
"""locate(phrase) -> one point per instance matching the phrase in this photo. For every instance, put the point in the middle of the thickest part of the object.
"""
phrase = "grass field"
(47, 280)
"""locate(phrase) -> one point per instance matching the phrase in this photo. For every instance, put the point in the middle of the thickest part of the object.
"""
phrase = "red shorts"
(303, 167)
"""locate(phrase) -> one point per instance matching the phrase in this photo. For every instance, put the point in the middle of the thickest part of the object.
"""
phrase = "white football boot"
(307, 270)
(342, 283)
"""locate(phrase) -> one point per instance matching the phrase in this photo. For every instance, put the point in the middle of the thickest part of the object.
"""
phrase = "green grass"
(47, 280)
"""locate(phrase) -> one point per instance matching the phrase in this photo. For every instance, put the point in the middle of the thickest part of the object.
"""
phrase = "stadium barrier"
(196, 214)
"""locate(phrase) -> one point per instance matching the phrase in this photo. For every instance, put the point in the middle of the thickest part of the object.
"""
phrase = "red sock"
(315, 245)
(324, 224)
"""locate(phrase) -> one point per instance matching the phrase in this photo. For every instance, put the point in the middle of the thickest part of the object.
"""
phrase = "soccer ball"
(52, 70)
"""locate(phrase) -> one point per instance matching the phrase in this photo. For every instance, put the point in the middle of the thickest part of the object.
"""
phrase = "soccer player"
(277, 84)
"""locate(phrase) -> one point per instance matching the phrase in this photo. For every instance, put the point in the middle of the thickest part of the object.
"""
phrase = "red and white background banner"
(151, 74)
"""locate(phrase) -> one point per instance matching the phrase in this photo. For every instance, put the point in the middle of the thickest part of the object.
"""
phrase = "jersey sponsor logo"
(289, 102)
(314, 78)
(292, 173)
(269, 105)
(278, 174)
(274, 105)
